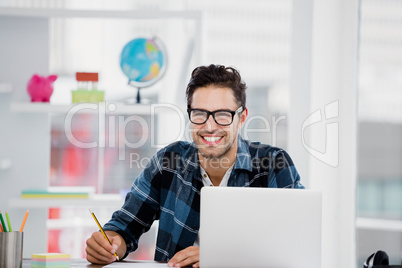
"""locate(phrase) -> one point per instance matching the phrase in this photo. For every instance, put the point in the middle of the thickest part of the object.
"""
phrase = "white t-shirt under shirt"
(207, 182)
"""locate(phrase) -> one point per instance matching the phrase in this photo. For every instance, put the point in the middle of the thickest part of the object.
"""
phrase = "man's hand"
(99, 251)
(186, 257)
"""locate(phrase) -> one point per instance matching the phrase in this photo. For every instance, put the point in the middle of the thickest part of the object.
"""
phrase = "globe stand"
(138, 96)
(136, 99)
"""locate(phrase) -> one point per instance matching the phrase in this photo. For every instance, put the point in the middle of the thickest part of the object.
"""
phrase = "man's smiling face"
(213, 140)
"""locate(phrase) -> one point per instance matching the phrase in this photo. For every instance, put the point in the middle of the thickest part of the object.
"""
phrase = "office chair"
(379, 259)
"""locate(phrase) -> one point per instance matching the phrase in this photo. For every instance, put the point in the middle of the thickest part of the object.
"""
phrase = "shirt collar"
(207, 181)
(243, 157)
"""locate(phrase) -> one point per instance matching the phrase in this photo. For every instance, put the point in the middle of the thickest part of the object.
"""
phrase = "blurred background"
(253, 36)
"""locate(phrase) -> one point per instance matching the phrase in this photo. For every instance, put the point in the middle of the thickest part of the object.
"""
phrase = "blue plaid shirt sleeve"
(284, 174)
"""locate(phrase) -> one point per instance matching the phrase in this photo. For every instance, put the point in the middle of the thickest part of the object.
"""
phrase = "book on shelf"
(59, 192)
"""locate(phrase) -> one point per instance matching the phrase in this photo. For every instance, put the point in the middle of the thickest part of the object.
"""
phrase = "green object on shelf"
(83, 95)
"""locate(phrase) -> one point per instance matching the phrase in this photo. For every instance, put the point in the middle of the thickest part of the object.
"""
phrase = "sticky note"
(51, 260)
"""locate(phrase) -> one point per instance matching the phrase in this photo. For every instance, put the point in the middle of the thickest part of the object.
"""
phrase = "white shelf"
(45, 107)
(81, 222)
(379, 224)
(74, 222)
(103, 200)
(107, 14)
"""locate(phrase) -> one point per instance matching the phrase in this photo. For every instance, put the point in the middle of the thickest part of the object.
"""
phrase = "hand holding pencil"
(102, 248)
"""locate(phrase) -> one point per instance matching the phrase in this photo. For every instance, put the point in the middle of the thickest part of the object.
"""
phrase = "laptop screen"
(260, 227)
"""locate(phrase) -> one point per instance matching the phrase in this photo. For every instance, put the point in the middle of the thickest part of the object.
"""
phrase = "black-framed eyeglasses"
(221, 117)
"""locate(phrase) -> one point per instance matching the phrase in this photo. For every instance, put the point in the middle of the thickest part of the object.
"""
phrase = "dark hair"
(217, 75)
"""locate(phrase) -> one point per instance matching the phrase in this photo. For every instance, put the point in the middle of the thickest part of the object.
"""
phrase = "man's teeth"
(212, 139)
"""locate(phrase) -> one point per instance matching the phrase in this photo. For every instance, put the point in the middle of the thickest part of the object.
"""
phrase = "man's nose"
(211, 125)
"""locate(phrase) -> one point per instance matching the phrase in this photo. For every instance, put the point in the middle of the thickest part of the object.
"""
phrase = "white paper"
(145, 264)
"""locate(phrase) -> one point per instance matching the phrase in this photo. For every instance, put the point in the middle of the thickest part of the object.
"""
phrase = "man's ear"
(243, 117)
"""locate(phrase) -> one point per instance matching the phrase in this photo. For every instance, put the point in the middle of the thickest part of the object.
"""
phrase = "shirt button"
(205, 175)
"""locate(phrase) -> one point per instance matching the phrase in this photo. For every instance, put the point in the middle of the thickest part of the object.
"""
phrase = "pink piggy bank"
(40, 88)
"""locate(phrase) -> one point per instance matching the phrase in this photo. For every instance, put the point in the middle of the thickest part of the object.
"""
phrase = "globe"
(143, 61)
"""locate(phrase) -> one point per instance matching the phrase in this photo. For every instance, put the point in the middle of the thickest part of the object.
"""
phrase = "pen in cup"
(24, 220)
(2, 223)
(8, 222)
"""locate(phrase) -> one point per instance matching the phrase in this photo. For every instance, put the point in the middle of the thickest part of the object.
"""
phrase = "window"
(379, 199)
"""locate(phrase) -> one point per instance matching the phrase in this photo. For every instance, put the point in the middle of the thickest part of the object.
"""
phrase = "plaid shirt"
(168, 190)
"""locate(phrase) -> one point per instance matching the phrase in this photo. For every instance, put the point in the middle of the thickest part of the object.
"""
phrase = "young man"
(168, 189)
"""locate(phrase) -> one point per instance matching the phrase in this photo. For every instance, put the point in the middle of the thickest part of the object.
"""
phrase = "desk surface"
(84, 263)
(26, 263)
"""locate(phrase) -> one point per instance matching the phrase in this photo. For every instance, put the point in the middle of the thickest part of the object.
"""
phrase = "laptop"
(260, 227)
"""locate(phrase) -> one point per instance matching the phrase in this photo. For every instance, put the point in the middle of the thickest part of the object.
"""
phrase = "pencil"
(1, 228)
(24, 220)
(2, 223)
(8, 222)
(103, 232)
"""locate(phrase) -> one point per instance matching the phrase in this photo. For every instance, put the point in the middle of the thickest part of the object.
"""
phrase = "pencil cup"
(11, 249)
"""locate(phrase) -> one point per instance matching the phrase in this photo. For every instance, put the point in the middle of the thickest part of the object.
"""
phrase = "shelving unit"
(193, 15)
(104, 14)
(5, 163)
(103, 200)
(29, 123)
(89, 108)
